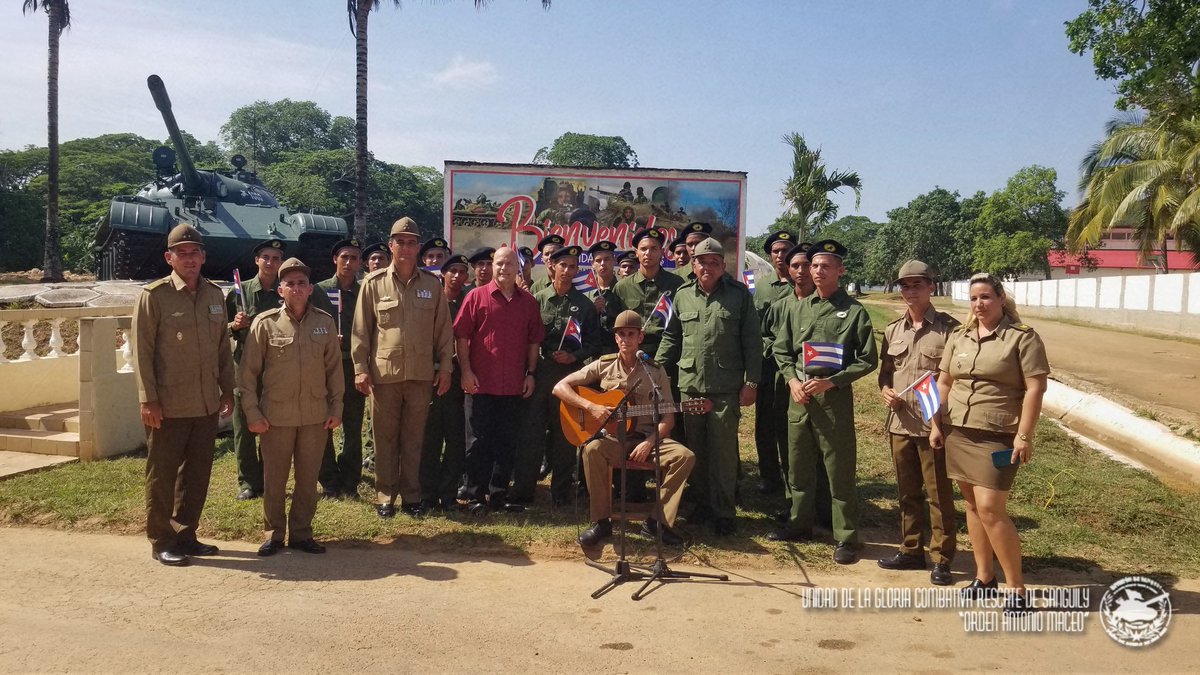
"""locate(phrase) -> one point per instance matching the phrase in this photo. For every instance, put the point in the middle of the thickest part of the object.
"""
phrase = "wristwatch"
(529, 373)
(752, 385)
(1024, 437)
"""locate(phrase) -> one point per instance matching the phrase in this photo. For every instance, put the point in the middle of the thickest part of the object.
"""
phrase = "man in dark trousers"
(340, 473)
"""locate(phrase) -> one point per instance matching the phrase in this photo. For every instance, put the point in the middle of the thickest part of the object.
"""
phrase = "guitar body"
(578, 426)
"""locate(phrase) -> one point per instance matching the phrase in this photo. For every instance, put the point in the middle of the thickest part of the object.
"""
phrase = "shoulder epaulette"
(949, 319)
(377, 273)
(427, 273)
(271, 312)
(1023, 327)
(608, 357)
(319, 311)
(896, 320)
(156, 284)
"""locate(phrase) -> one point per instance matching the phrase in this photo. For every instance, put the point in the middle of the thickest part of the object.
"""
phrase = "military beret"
(436, 242)
(827, 247)
(651, 232)
(352, 242)
(566, 252)
(405, 225)
(481, 254)
(377, 247)
(550, 239)
(915, 268)
(185, 234)
(709, 246)
(698, 227)
(271, 243)
(627, 255)
(628, 319)
(779, 235)
(680, 240)
(526, 253)
(294, 265)
(602, 246)
(798, 249)
(456, 259)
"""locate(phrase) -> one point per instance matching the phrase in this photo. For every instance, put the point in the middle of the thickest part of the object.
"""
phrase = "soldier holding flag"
(338, 295)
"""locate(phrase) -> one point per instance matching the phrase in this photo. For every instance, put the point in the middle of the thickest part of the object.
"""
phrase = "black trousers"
(495, 425)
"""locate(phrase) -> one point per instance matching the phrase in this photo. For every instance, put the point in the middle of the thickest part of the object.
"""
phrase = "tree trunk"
(1162, 246)
(360, 120)
(51, 262)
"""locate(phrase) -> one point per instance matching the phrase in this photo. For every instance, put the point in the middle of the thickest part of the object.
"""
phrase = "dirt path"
(72, 602)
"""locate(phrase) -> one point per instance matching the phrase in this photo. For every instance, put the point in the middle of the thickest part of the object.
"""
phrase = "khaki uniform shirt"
(609, 374)
(401, 328)
(181, 347)
(716, 338)
(906, 356)
(989, 375)
(291, 371)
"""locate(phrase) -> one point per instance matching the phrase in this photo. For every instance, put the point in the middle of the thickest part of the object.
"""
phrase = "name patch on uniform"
(424, 294)
(215, 309)
(320, 330)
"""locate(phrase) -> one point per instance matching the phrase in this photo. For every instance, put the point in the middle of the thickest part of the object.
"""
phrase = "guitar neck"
(647, 409)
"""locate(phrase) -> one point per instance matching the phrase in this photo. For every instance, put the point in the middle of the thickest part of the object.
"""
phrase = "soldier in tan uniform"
(184, 377)
(912, 349)
(401, 331)
(292, 385)
(623, 371)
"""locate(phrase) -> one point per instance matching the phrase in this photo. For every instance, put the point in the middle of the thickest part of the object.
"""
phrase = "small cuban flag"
(664, 308)
(335, 298)
(585, 280)
(748, 275)
(823, 354)
(928, 397)
(520, 258)
(573, 331)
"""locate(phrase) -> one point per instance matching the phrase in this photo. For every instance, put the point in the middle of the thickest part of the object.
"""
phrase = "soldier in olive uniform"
(572, 337)
(643, 290)
(481, 267)
(716, 338)
(340, 473)
(627, 264)
(258, 295)
(401, 331)
(376, 256)
(185, 377)
(443, 457)
(681, 257)
(770, 407)
(608, 305)
(691, 236)
(294, 358)
(823, 343)
(912, 349)
(546, 246)
(434, 253)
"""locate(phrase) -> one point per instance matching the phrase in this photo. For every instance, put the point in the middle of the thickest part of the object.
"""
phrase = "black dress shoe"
(478, 508)
(386, 510)
(246, 495)
(724, 527)
(309, 545)
(845, 553)
(196, 548)
(598, 532)
(651, 528)
(790, 534)
(270, 547)
(412, 510)
(1017, 604)
(171, 559)
(903, 561)
(507, 506)
(940, 576)
(782, 517)
(978, 590)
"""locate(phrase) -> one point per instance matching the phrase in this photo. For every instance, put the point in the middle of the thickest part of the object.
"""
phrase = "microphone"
(642, 356)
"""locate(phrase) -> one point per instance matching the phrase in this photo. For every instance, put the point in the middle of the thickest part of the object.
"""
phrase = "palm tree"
(358, 12)
(806, 192)
(59, 14)
(1145, 176)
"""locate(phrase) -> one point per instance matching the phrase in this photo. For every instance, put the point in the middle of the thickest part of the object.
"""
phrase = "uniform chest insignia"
(841, 314)
(424, 294)
(574, 308)
(179, 336)
(216, 309)
(176, 315)
(320, 330)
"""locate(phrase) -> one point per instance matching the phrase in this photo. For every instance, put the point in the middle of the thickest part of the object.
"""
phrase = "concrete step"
(58, 417)
(63, 443)
(17, 463)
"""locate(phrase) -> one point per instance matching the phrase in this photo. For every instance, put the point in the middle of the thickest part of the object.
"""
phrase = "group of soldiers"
(431, 366)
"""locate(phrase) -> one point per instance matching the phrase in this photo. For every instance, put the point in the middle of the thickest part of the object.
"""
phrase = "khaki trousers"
(399, 411)
(603, 455)
(283, 448)
(920, 466)
(178, 466)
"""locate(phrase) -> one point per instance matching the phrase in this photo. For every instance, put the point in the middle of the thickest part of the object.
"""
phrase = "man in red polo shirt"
(498, 331)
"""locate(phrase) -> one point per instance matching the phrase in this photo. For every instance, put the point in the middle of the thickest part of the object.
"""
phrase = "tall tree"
(264, 130)
(572, 149)
(806, 192)
(59, 14)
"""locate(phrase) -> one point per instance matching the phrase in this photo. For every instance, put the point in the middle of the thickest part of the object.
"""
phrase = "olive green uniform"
(640, 294)
(183, 362)
(444, 453)
(612, 307)
(906, 356)
(245, 449)
(540, 284)
(341, 473)
(544, 436)
(716, 338)
(824, 427)
(770, 406)
(291, 375)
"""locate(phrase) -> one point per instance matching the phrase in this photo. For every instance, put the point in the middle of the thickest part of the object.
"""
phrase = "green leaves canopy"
(602, 152)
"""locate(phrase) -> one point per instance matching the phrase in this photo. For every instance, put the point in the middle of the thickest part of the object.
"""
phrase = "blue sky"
(910, 95)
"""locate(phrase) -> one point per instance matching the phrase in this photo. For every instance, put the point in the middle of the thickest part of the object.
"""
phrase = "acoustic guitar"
(578, 426)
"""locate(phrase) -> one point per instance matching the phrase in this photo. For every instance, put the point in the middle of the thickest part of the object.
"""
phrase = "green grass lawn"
(1074, 507)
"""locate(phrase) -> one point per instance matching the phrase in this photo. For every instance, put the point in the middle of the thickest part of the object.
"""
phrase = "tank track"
(131, 255)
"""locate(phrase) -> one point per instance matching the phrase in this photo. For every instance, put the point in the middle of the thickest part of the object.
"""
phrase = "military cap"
(352, 242)
(436, 242)
(709, 246)
(566, 251)
(915, 268)
(680, 240)
(405, 225)
(628, 319)
(481, 254)
(601, 246)
(378, 246)
(627, 255)
(827, 246)
(798, 249)
(271, 243)
(550, 239)
(185, 234)
(698, 227)
(294, 265)
(651, 232)
(526, 253)
(456, 259)
(779, 235)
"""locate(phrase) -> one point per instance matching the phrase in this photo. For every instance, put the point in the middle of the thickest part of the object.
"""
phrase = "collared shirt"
(401, 327)
(612, 307)
(610, 374)
(181, 347)
(906, 356)
(989, 375)
(296, 364)
(500, 330)
(259, 298)
(838, 319)
(345, 318)
(716, 338)
(556, 311)
(766, 297)
(641, 295)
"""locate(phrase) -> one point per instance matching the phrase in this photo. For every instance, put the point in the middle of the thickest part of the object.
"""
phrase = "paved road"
(89, 602)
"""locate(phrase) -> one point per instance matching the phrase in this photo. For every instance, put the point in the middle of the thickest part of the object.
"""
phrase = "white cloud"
(462, 73)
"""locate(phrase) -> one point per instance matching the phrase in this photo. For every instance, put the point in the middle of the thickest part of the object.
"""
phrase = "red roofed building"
(1118, 255)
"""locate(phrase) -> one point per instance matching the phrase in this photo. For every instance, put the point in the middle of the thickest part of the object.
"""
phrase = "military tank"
(232, 209)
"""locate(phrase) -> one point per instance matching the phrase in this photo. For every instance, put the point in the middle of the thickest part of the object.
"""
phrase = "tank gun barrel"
(191, 180)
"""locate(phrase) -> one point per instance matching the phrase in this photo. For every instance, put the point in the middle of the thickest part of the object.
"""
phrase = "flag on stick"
(237, 287)
(748, 275)
(928, 396)
(574, 331)
(585, 281)
(335, 298)
(664, 308)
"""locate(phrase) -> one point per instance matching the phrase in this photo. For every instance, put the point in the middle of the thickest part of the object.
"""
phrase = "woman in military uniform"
(993, 376)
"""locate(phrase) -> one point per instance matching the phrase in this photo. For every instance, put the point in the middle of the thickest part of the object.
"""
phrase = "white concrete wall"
(109, 418)
(28, 384)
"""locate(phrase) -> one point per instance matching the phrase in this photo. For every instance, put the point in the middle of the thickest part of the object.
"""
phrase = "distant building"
(1117, 255)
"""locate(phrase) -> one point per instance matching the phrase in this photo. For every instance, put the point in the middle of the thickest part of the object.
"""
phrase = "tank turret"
(191, 180)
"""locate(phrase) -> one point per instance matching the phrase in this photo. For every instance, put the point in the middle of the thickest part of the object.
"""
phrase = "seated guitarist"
(623, 371)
